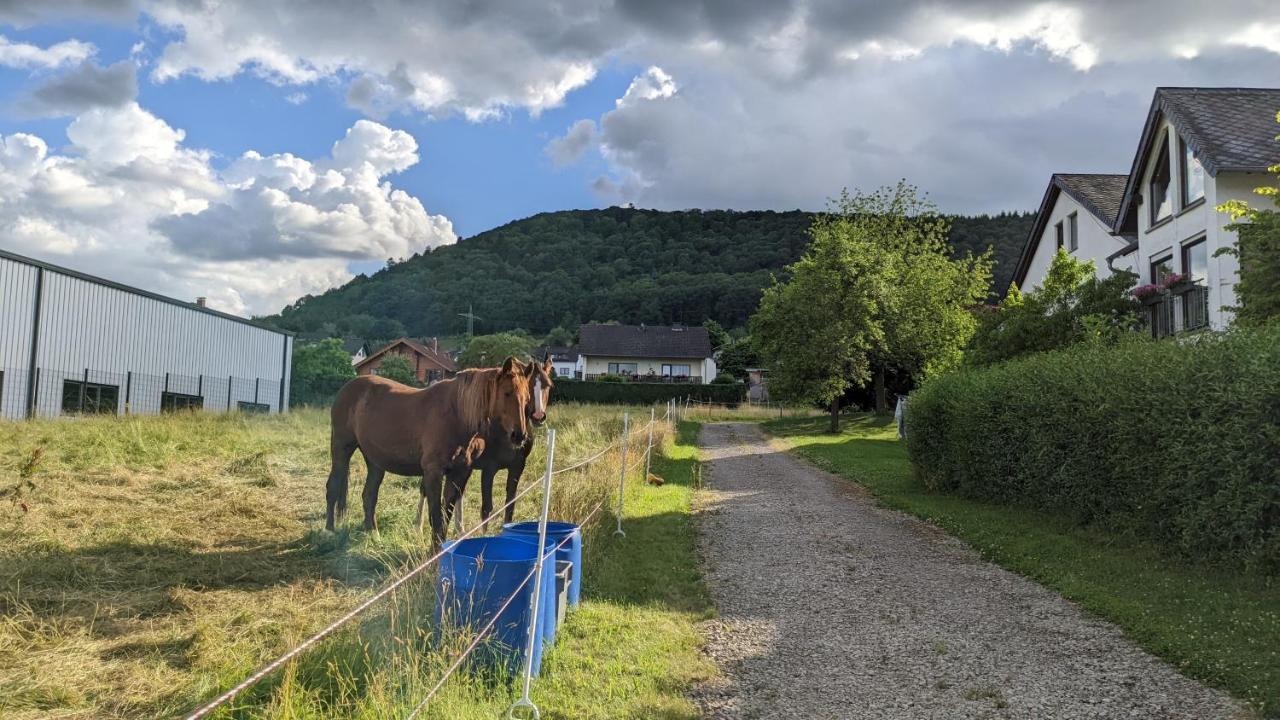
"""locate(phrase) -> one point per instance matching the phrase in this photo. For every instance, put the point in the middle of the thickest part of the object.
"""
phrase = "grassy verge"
(157, 561)
(1218, 627)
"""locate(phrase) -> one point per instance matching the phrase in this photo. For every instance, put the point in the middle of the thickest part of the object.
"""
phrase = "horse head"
(539, 375)
(511, 400)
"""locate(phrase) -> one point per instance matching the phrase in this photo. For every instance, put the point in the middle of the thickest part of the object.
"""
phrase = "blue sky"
(254, 152)
(480, 175)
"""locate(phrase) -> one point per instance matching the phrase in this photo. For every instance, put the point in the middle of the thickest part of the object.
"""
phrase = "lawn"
(1217, 626)
(157, 560)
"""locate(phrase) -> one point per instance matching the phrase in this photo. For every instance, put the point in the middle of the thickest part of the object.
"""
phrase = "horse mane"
(472, 396)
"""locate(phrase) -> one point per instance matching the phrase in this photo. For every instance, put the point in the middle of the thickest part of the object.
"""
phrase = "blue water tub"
(571, 550)
(476, 576)
(547, 605)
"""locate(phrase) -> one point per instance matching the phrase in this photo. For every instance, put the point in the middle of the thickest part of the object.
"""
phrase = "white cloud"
(654, 84)
(131, 201)
(26, 55)
(566, 150)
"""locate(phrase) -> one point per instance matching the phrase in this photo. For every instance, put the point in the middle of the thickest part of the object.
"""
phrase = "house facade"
(1199, 147)
(1077, 215)
(646, 353)
(429, 362)
(564, 361)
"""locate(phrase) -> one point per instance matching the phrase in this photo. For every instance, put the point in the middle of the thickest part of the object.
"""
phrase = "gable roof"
(353, 345)
(437, 357)
(641, 341)
(557, 354)
(1229, 129)
(1100, 194)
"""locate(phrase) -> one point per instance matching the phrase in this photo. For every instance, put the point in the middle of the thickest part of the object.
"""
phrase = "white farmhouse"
(1199, 148)
(646, 353)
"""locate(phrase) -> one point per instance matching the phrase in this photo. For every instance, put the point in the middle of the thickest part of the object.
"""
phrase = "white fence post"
(535, 610)
(622, 471)
(648, 452)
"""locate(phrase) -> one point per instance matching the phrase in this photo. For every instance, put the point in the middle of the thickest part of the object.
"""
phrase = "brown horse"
(489, 455)
(423, 433)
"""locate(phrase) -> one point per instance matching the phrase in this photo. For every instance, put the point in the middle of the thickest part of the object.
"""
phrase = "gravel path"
(831, 607)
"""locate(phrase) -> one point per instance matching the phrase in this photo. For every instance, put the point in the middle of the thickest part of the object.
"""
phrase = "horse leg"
(372, 483)
(431, 490)
(455, 486)
(340, 451)
(513, 481)
(486, 493)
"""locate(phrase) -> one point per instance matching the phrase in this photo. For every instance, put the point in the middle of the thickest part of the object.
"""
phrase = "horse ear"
(547, 365)
(511, 366)
(531, 368)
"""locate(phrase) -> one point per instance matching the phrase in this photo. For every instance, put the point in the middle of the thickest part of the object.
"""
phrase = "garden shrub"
(642, 393)
(1177, 442)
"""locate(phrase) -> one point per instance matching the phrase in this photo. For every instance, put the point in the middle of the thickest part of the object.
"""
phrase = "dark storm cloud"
(83, 88)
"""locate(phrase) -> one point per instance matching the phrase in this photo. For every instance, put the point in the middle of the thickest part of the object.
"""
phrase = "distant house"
(358, 349)
(429, 363)
(758, 384)
(652, 353)
(1199, 148)
(563, 359)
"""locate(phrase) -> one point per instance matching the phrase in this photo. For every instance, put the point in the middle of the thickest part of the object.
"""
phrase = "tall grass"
(158, 560)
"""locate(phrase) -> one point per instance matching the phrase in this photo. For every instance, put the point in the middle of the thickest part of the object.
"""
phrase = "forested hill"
(565, 268)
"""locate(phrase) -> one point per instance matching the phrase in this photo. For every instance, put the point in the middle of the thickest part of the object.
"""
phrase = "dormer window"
(1192, 175)
(1160, 200)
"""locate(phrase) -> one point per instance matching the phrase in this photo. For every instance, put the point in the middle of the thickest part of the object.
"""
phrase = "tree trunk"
(882, 395)
(835, 415)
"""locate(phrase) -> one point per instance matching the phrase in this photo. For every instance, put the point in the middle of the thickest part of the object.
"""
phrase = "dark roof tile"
(1229, 128)
(640, 341)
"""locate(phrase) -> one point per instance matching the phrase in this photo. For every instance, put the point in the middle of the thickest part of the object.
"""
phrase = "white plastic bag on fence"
(900, 416)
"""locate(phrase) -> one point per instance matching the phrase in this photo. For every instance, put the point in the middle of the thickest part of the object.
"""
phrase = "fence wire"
(302, 647)
(59, 392)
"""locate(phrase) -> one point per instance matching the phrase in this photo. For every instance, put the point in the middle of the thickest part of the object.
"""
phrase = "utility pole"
(471, 320)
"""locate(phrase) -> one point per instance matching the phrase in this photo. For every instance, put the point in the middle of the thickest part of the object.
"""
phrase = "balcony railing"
(696, 379)
(1173, 313)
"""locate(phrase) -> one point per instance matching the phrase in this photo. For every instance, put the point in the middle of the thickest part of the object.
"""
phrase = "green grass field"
(1219, 627)
(156, 561)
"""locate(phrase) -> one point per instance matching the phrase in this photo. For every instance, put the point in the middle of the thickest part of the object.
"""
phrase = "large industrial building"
(74, 344)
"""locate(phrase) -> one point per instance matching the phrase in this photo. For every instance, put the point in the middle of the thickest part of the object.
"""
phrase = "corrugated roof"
(641, 341)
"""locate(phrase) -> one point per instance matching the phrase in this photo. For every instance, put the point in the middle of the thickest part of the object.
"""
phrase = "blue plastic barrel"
(547, 606)
(571, 550)
(476, 577)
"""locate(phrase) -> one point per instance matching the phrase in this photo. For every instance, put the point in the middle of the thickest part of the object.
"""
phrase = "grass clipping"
(149, 562)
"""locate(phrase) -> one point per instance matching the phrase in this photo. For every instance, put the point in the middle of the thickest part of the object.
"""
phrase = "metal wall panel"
(141, 345)
(17, 310)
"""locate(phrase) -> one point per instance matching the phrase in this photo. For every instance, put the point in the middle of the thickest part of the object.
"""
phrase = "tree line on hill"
(561, 269)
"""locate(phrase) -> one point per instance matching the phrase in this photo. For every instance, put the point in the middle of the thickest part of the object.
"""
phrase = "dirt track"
(831, 607)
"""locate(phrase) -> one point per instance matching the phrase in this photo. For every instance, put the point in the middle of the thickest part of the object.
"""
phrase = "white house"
(564, 361)
(1199, 148)
(653, 353)
(1077, 214)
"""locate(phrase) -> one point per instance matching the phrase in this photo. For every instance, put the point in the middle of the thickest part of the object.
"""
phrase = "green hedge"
(640, 393)
(1177, 442)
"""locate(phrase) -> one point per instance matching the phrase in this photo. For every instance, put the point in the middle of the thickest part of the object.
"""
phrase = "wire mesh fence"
(54, 392)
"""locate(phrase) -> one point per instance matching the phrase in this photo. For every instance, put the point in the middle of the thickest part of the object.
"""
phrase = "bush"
(642, 393)
(1175, 442)
(725, 380)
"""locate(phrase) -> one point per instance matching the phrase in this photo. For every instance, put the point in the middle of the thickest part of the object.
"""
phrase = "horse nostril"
(539, 416)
